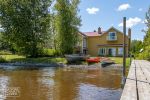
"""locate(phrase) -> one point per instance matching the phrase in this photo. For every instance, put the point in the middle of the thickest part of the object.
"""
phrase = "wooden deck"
(137, 85)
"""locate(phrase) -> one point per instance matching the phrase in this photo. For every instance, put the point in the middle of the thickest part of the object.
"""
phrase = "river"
(62, 83)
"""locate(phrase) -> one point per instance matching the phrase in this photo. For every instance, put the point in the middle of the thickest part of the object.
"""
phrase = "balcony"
(111, 38)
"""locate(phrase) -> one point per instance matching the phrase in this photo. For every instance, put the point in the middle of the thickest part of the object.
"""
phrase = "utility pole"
(124, 52)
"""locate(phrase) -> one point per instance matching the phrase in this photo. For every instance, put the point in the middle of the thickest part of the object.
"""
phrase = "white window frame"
(110, 37)
(84, 43)
(103, 51)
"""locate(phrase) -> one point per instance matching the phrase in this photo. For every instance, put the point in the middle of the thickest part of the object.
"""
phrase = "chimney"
(99, 30)
(129, 41)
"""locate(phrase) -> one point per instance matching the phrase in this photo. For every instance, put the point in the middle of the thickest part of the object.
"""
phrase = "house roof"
(90, 34)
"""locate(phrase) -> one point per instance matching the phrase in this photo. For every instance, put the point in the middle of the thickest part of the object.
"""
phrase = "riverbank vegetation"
(32, 27)
(11, 58)
(23, 59)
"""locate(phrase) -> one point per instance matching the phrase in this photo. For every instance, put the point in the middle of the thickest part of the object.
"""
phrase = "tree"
(3, 44)
(26, 24)
(136, 46)
(146, 53)
(147, 36)
(67, 24)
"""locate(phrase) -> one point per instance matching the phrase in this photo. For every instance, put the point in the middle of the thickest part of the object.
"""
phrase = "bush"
(145, 54)
(50, 53)
(2, 60)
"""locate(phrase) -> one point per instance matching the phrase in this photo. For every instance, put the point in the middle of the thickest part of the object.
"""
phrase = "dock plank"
(142, 85)
(130, 85)
(137, 86)
(146, 69)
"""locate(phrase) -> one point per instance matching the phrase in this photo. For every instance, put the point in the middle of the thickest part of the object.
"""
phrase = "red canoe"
(93, 60)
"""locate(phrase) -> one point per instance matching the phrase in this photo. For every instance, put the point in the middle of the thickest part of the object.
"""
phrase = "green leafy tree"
(26, 24)
(67, 25)
(3, 44)
(146, 53)
(136, 46)
(147, 22)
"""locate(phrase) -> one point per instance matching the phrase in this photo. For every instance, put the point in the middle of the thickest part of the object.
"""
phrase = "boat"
(76, 57)
(93, 60)
(106, 63)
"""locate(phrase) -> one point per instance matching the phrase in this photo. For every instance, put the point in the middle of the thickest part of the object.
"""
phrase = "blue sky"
(107, 13)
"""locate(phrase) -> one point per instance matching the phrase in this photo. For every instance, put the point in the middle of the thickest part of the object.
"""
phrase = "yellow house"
(104, 43)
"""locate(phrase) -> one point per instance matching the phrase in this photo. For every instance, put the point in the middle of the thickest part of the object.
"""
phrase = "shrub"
(2, 60)
(50, 53)
(145, 54)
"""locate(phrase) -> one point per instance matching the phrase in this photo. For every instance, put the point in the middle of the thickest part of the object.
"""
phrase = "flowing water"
(68, 83)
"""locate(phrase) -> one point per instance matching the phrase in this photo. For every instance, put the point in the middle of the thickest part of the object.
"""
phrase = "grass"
(49, 57)
(5, 52)
(119, 60)
(18, 58)
(8, 57)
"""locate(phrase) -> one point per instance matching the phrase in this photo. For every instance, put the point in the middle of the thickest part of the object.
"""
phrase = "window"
(84, 42)
(112, 36)
(102, 51)
(120, 51)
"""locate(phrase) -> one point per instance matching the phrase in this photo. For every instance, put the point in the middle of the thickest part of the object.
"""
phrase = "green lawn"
(17, 58)
(119, 60)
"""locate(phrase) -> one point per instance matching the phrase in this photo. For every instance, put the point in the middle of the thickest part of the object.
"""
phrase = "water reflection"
(3, 86)
(91, 92)
(64, 83)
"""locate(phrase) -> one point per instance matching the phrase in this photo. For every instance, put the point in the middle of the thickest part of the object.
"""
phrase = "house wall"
(93, 42)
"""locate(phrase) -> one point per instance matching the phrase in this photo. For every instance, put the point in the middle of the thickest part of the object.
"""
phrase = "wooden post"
(129, 36)
(129, 44)
(124, 51)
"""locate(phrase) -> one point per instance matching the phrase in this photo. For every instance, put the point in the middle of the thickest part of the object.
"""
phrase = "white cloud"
(92, 10)
(123, 7)
(140, 9)
(131, 22)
